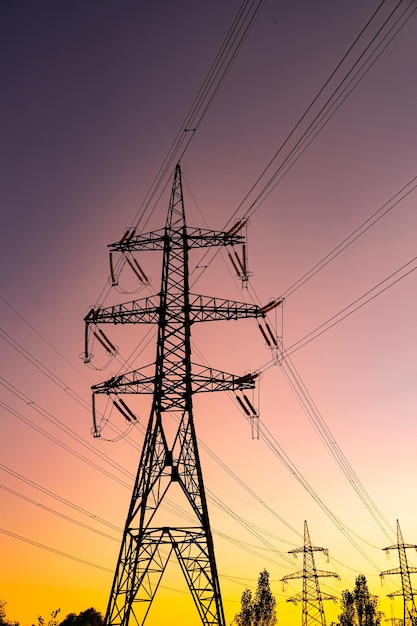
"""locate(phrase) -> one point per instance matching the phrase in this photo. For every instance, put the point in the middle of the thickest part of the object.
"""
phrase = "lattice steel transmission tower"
(311, 596)
(405, 570)
(168, 458)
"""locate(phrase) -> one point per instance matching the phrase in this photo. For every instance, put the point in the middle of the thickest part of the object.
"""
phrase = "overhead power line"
(395, 277)
(364, 59)
(373, 219)
(233, 42)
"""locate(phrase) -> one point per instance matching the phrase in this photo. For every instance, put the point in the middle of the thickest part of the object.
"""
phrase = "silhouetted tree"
(245, 617)
(347, 616)
(89, 617)
(259, 610)
(360, 607)
(52, 621)
(264, 602)
(3, 620)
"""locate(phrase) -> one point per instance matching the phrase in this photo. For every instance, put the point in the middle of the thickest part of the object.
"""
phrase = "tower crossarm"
(397, 570)
(206, 309)
(400, 592)
(299, 597)
(147, 311)
(295, 599)
(318, 573)
(144, 310)
(195, 238)
(294, 576)
(309, 548)
(403, 545)
(325, 574)
(203, 379)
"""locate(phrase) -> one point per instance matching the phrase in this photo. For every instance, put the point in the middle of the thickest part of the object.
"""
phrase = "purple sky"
(93, 95)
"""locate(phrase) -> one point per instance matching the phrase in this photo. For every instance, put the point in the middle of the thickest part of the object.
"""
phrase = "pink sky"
(93, 96)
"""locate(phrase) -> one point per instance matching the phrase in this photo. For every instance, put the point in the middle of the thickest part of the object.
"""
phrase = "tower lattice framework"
(404, 570)
(166, 459)
(311, 597)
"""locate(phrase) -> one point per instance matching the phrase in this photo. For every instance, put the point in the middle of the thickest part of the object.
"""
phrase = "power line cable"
(57, 497)
(388, 206)
(221, 65)
(320, 119)
(351, 308)
(54, 550)
(329, 102)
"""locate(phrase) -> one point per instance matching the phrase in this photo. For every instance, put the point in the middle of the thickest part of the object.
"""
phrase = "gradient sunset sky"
(94, 93)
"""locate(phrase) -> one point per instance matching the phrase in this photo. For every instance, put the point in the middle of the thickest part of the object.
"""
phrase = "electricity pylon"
(410, 612)
(311, 596)
(169, 461)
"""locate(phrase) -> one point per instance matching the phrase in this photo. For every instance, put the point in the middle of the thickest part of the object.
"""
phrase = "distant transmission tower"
(311, 596)
(410, 612)
(169, 460)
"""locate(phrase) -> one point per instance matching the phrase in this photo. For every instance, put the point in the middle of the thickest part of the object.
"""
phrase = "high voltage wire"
(216, 500)
(47, 415)
(49, 509)
(272, 443)
(341, 461)
(38, 504)
(388, 206)
(229, 49)
(240, 544)
(169, 506)
(54, 550)
(49, 376)
(320, 120)
(235, 38)
(64, 389)
(327, 106)
(351, 308)
(62, 445)
(57, 497)
(298, 387)
(48, 343)
(63, 386)
(292, 472)
(78, 559)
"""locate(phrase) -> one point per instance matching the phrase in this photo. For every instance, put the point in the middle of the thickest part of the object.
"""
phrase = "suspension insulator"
(120, 409)
(264, 335)
(89, 315)
(125, 236)
(112, 275)
(271, 305)
(124, 405)
(244, 407)
(105, 341)
(135, 270)
(145, 279)
(274, 340)
(236, 228)
(250, 405)
(239, 260)
(244, 259)
(132, 234)
(246, 379)
(96, 429)
(86, 353)
(113, 347)
(234, 264)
